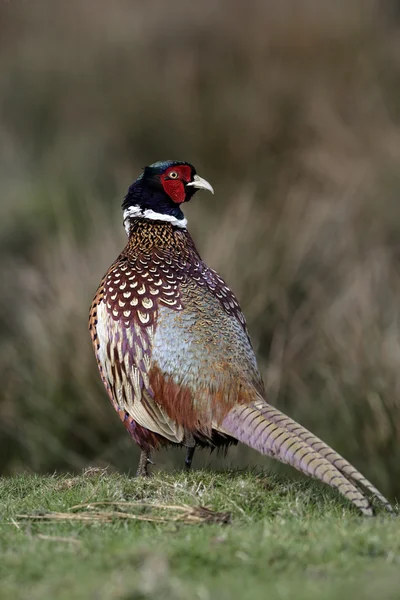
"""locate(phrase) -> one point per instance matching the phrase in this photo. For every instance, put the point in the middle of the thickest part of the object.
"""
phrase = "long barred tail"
(271, 432)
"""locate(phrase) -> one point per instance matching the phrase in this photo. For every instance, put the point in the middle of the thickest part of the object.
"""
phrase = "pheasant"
(173, 349)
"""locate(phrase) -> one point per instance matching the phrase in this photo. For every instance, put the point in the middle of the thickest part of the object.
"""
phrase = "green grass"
(286, 539)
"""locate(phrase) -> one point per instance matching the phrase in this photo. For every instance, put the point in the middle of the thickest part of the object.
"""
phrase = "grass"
(285, 539)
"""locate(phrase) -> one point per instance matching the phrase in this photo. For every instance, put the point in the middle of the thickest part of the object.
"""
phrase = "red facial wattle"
(175, 188)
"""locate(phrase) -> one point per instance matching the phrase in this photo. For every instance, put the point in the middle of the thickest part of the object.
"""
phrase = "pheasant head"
(160, 190)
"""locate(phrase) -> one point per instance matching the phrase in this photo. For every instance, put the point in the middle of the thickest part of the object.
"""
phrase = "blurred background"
(292, 111)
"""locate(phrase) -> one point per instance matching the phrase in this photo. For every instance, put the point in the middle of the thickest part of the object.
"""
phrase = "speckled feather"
(175, 357)
(154, 279)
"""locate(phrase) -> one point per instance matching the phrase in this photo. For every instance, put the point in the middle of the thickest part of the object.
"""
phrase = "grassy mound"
(99, 536)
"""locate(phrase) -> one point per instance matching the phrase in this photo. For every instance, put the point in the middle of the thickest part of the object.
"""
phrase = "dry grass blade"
(172, 513)
(57, 538)
(89, 505)
(15, 523)
(57, 516)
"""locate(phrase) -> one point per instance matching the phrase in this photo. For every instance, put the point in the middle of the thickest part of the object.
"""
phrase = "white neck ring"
(136, 212)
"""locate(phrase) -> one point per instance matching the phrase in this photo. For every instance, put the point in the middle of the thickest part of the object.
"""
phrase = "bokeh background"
(292, 110)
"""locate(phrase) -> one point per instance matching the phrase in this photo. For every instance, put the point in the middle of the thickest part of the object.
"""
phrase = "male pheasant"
(173, 348)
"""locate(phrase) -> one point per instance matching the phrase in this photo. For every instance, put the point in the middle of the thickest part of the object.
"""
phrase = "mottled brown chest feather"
(159, 267)
(157, 260)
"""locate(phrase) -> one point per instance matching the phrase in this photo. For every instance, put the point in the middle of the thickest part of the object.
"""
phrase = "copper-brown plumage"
(173, 349)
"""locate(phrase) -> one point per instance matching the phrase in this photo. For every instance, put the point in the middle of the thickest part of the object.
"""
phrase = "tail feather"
(270, 432)
(342, 465)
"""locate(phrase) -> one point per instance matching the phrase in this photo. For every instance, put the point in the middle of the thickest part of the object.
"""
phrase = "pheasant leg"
(144, 462)
(189, 458)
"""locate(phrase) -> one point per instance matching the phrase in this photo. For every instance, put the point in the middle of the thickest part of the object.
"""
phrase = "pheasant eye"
(173, 175)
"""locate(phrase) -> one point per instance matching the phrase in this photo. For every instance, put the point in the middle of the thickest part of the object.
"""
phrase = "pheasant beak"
(201, 184)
